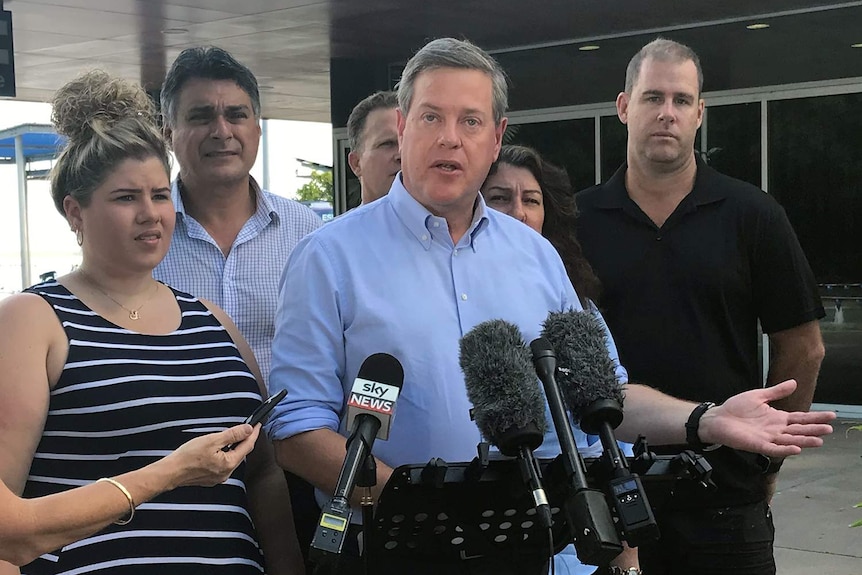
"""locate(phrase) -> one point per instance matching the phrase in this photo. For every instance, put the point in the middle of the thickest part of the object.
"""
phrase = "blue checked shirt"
(245, 282)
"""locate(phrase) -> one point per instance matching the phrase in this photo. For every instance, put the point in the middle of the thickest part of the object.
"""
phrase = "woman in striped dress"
(106, 370)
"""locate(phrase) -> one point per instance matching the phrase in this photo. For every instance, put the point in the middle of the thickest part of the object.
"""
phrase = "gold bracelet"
(128, 495)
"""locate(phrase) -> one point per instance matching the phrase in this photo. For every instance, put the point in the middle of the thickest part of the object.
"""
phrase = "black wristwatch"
(693, 425)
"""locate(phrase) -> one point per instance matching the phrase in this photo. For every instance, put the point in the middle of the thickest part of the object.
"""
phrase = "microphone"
(375, 391)
(507, 404)
(590, 520)
(591, 390)
(371, 406)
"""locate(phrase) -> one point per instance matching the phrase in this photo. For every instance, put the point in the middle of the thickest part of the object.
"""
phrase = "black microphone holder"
(476, 518)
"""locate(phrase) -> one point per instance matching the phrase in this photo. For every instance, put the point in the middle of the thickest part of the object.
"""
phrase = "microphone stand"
(367, 479)
(596, 538)
(331, 531)
(533, 477)
(626, 491)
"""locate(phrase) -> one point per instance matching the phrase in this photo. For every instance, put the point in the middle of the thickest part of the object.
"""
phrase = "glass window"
(614, 137)
(567, 143)
(815, 171)
(733, 141)
(352, 185)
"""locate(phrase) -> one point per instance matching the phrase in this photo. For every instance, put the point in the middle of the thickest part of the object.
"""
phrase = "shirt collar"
(706, 189)
(264, 206)
(421, 222)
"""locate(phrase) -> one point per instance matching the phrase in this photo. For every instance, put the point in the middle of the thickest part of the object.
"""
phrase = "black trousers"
(718, 541)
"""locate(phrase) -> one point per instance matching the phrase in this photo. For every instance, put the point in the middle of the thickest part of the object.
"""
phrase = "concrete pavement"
(814, 506)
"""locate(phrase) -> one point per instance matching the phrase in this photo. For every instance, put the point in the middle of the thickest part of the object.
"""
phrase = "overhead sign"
(7, 56)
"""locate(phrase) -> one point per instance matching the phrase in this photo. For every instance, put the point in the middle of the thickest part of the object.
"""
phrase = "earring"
(79, 236)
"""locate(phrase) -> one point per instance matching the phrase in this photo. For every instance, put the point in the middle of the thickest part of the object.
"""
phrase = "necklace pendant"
(134, 314)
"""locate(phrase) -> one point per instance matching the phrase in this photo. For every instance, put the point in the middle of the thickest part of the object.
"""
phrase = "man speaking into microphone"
(409, 275)
(413, 272)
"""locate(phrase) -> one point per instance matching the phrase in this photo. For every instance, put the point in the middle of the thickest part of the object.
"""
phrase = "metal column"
(21, 165)
(264, 130)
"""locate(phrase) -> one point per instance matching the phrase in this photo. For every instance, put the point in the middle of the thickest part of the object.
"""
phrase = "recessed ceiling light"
(588, 48)
(264, 87)
(760, 26)
(859, 45)
(174, 31)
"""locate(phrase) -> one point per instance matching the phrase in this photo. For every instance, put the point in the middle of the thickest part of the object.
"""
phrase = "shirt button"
(658, 238)
(464, 296)
(424, 237)
(436, 224)
(455, 253)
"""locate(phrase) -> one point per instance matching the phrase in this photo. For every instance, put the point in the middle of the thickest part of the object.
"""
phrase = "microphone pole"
(590, 520)
(335, 516)
(595, 397)
(358, 448)
(626, 490)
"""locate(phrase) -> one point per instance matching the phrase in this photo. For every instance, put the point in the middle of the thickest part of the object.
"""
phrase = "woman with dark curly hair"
(539, 194)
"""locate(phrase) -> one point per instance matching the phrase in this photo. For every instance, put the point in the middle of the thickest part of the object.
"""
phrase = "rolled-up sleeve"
(308, 347)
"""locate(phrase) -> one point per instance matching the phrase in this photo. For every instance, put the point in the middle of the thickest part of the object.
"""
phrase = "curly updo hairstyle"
(107, 121)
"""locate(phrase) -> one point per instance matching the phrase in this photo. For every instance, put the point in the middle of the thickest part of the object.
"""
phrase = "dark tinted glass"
(733, 140)
(815, 171)
(567, 143)
(354, 189)
(614, 138)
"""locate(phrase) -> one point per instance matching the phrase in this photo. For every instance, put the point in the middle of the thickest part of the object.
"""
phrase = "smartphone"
(259, 414)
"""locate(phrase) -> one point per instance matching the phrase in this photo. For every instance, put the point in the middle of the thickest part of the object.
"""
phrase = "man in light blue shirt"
(414, 271)
(389, 278)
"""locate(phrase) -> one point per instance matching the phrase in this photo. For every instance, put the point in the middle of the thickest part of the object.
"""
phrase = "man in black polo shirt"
(690, 260)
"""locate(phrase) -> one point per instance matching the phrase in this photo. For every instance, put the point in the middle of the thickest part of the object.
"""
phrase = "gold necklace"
(133, 313)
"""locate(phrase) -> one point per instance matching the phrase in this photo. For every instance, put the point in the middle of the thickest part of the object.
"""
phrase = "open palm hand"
(747, 422)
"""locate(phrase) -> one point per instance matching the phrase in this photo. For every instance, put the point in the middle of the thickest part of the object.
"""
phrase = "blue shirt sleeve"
(307, 349)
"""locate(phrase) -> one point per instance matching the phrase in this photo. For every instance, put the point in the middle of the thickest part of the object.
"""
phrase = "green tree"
(318, 188)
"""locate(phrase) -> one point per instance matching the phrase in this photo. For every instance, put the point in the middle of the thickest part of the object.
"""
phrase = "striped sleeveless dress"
(125, 399)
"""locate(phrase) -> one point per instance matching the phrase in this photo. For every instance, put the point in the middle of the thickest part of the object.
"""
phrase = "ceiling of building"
(289, 43)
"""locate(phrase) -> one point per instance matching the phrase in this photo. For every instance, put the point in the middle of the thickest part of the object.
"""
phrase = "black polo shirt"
(682, 301)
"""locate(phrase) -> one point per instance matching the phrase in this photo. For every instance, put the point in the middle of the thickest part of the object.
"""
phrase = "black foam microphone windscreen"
(501, 382)
(586, 372)
(508, 406)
